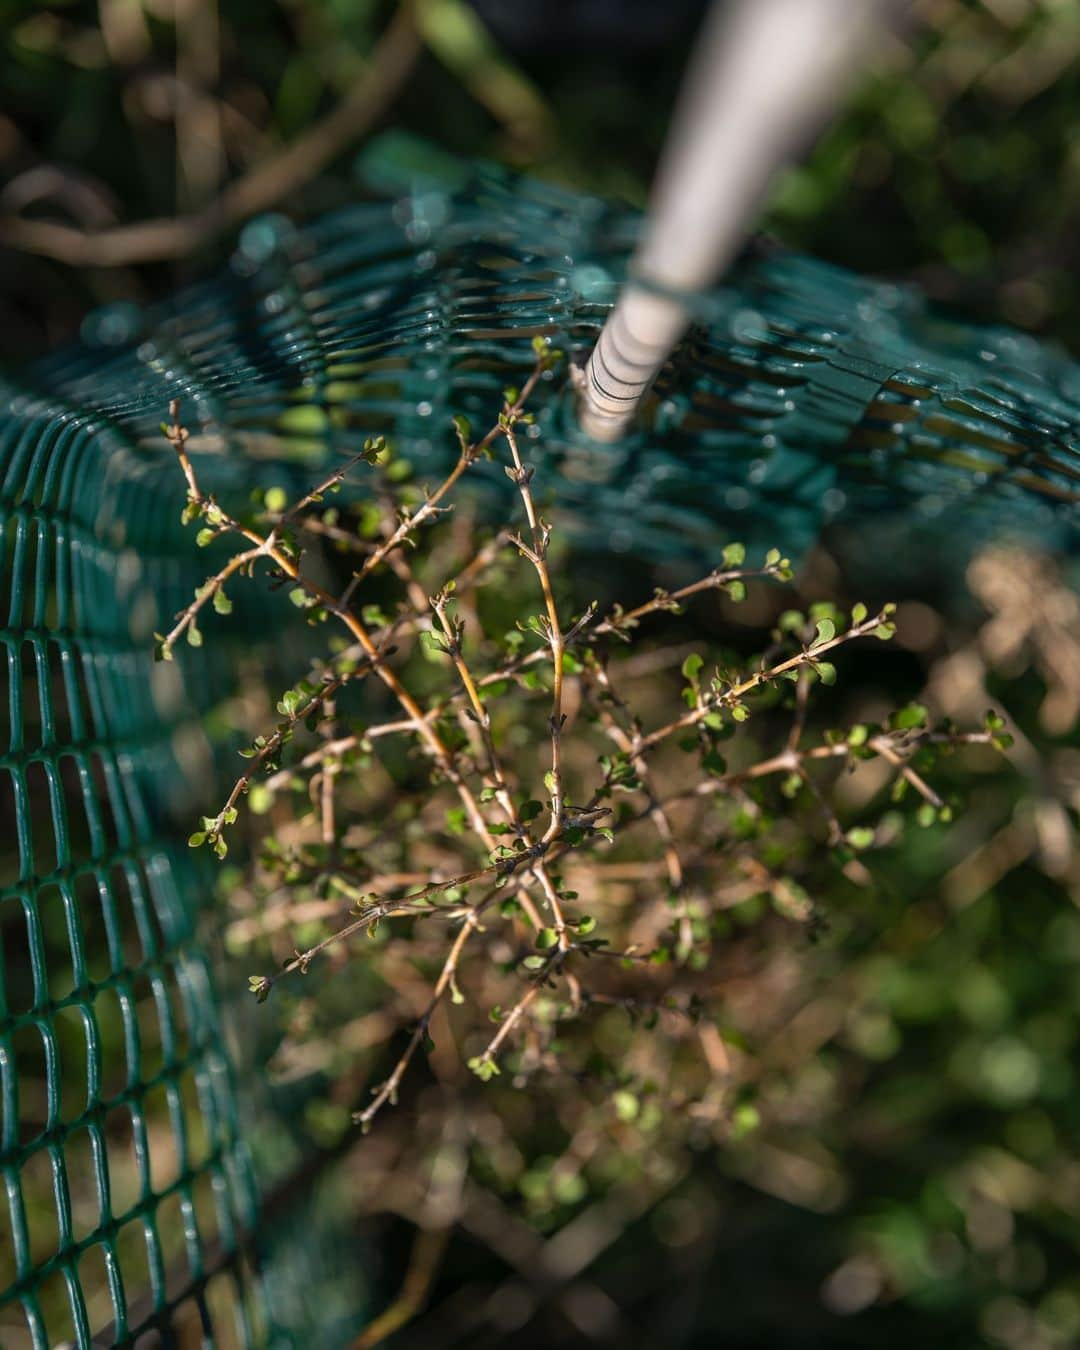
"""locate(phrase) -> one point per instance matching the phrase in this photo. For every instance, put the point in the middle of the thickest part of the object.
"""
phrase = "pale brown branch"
(387, 1092)
(619, 620)
(806, 657)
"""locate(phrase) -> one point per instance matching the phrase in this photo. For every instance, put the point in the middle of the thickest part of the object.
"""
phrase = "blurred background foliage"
(954, 163)
(915, 1176)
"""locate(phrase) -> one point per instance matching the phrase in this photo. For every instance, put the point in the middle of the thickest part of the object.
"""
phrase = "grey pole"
(764, 75)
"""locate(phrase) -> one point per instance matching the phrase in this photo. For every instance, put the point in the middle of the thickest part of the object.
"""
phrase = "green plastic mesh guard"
(124, 1169)
(803, 398)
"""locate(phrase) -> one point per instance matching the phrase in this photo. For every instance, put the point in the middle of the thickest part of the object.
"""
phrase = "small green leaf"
(222, 603)
(627, 1106)
(547, 938)
(260, 987)
(860, 837)
(399, 471)
(734, 555)
(197, 839)
(909, 717)
(432, 643)
(691, 667)
(858, 613)
(290, 702)
(462, 430)
(204, 537)
(826, 631)
(745, 1119)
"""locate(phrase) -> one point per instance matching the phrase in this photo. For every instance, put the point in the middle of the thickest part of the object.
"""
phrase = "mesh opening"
(93, 1277)
(84, 1163)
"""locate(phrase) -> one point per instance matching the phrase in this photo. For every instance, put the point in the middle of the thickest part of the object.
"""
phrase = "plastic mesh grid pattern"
(802, 396)
(128, 1185)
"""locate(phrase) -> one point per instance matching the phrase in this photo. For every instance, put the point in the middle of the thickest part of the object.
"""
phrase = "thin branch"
(766, 675)
(387, 1092)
